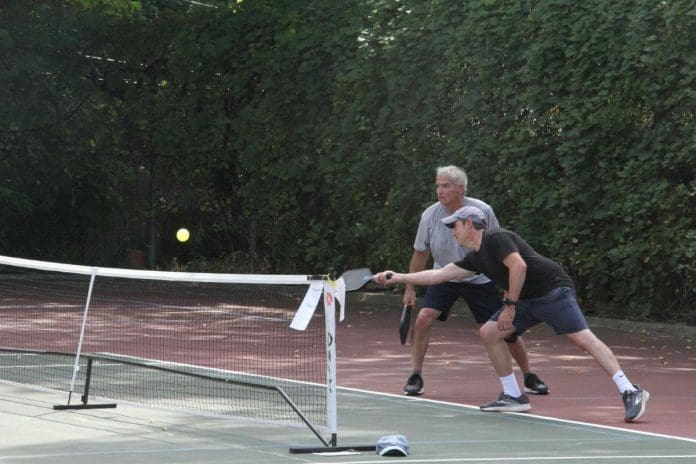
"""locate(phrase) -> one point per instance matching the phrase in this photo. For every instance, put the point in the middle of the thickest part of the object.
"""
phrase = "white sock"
(510, 386)
(622, 382)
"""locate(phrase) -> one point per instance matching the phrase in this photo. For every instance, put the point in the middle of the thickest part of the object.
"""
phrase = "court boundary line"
(410, 459)
(519, 459)
(546, 418)
(379, 460)
(390, 395)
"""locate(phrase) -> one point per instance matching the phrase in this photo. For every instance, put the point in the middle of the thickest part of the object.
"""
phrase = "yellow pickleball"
(182, 234)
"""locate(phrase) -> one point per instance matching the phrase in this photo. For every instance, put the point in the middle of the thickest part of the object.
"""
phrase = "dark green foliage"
(295, 136)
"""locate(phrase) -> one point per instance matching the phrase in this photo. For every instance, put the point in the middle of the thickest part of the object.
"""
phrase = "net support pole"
(331, 402)
(78, 352)
(331, 384)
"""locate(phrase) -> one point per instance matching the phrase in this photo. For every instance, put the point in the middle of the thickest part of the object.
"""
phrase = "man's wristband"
(509, 302)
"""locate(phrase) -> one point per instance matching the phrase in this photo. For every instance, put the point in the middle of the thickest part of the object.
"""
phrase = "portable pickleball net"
(203, 342)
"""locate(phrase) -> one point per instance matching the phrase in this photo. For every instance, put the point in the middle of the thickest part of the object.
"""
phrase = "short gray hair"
(455, 174)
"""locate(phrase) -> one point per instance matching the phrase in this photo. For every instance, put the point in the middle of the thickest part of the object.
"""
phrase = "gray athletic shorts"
(558, 308)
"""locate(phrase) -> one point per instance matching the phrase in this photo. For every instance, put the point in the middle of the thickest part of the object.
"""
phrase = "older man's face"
(449, 194)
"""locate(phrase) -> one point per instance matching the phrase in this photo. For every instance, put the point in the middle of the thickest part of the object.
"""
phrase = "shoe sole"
(535, 392)
(646, 397)
(418, 393)
(510, 408)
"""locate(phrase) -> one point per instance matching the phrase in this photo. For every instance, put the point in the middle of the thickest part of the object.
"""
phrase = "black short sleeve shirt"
(543, 274)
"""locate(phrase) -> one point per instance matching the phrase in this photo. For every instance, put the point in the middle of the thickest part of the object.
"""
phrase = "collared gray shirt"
(437, 238)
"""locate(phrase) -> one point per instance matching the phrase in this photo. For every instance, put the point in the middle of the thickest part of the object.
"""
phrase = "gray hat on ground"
(392, 445)
(464, 213)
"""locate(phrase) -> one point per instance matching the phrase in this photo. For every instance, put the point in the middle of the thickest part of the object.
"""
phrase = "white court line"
(524, 459)
(380, 460)
(645, 458)
(36, 365)
(546, 418)
(450, 404)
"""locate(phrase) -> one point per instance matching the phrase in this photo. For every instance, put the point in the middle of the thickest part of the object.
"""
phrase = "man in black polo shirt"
(537, 290)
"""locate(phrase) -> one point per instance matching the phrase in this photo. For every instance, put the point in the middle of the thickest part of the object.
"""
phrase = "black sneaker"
(507, 403)
(634, 402)
(414, 385)
(533, 384)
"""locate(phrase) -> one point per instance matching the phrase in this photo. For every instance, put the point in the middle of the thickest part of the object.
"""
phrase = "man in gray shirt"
(481, 295)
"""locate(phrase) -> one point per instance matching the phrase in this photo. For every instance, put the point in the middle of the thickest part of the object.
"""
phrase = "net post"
(331, 385)
(88, 381)
(85, 396)
(76, 366)
(78, 352)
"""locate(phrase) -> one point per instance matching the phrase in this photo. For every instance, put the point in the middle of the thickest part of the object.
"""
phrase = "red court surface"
(457, 369)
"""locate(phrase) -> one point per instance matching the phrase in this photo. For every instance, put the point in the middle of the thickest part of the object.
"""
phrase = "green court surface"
(31, 431)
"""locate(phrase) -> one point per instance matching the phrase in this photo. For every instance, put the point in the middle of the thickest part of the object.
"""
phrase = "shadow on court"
(32, 432)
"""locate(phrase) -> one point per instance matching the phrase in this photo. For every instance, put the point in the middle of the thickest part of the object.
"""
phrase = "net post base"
(85, 397)
(332, 449)
(61, 407)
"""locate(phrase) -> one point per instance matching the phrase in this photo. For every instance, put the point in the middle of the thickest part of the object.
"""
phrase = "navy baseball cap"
(464, 213)
(393, 445)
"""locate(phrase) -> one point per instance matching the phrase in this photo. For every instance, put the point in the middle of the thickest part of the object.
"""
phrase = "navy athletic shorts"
(483, 299)
(558, 308)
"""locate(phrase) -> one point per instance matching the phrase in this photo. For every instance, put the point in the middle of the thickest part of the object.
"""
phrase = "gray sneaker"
(507, 403)
(414, 385)
(635, 402)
